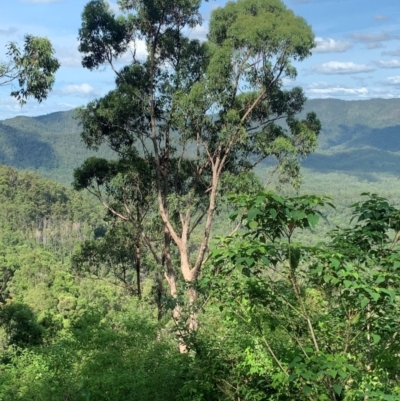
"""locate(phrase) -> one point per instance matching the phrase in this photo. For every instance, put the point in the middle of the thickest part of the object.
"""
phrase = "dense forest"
(73, 326)
(206, 234)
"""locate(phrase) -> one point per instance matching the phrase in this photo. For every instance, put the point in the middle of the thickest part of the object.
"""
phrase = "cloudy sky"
(357, 54)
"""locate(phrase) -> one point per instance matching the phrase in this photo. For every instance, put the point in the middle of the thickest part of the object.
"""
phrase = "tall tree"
(196, 112)
(32, 68)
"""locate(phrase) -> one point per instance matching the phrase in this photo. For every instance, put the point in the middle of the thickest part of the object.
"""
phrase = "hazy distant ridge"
(357, 136)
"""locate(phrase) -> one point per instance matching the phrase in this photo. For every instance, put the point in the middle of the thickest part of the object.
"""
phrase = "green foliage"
(111, 256)
(48, 144)
(281, 320)
(187, 117)
(40, 225)
(33, 68)
(102, 35)
(20, 325)
(112, 358)
(320, 320)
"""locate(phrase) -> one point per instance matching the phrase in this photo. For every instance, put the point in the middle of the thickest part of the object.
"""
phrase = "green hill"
(49, 144)
(367, 122)
(359, 138)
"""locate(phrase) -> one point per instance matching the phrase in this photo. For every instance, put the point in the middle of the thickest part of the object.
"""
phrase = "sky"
(357, 54)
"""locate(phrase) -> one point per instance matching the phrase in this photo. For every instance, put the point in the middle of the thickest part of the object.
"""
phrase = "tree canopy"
(195, 112)
(32, 68)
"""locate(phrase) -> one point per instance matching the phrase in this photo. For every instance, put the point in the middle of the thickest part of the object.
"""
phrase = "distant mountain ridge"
(357, 136)
(50, 144)
(359, 122)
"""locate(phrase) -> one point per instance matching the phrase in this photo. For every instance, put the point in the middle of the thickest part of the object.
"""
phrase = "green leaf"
(253, 224)
(273, 213)
(364, 302)
(253, 212)
(313, 219)
(307, 375)
(295, 361)
(347, 283)
(338, 388)
(376, 338)
(249, 261)
(391, 293)
(334, 262)
(374, 295)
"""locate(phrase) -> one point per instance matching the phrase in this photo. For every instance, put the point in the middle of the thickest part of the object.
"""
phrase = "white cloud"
(114, 6)
(84, 90)
(322, 89)
(391, 52)
(339, 91)
(9, 31)
(338, 67)
(380, 17)
(392, 80)
(199, 32)
(388, 64)
(373, 40)
(139, 48)
(330, 45)
(9, 106)
(68, 56)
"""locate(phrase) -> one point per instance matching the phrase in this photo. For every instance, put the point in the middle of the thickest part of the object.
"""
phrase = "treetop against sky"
(357, 54)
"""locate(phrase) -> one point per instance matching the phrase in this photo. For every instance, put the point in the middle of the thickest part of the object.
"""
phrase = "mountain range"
(358, 137)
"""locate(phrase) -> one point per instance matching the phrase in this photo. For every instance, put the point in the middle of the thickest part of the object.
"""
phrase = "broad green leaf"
(374, 295)
(295, 361)
(273, 213)
(364, 302)
(391, 293)
(334, 262)
(347, 283)
(376, 338)
(253, 224)
(338, 389)
(313, 219)
(249, 261)
(253, 212)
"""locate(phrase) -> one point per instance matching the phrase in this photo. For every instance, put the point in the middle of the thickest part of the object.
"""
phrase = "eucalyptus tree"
(195, 111)
(32, 68)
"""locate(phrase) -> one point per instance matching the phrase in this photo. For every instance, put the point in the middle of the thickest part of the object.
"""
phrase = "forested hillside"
(357, 137)
(49, 144)
(223, 239)
(75, 328)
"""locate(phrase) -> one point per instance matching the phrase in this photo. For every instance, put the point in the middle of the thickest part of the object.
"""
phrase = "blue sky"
(357, 54)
